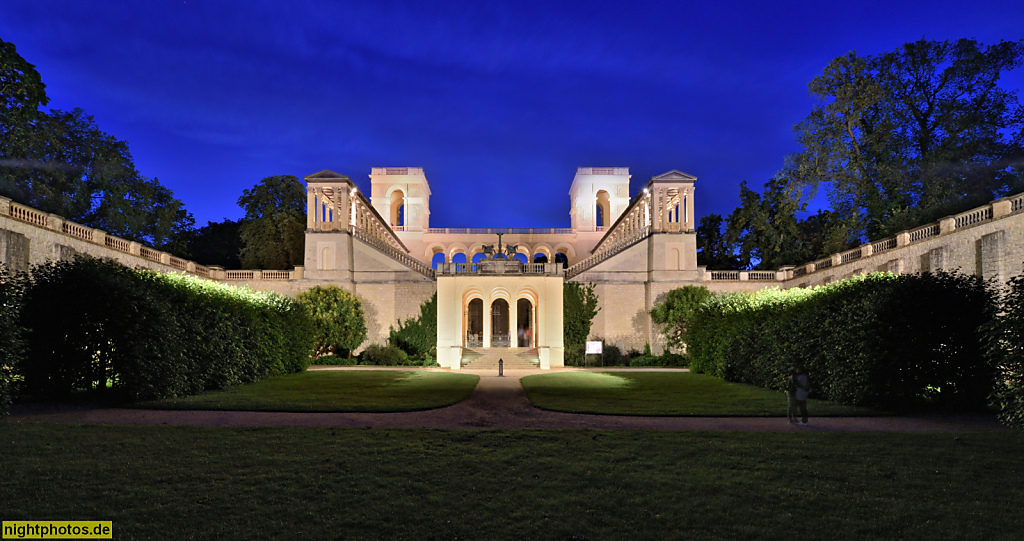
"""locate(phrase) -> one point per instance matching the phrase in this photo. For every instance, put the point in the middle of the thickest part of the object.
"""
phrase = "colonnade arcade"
(499, 318)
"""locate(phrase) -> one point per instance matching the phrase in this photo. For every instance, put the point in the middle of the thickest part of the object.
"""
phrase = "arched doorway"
(525, 328)
(499, 324)
(475, 324)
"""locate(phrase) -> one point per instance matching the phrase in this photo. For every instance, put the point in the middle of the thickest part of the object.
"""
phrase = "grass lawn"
(335, 391)
(664, 393)
(157, 482)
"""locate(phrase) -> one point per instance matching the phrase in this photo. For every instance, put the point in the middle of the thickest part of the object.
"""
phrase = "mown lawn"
(664, 393)
(158, 482)
(373, 391)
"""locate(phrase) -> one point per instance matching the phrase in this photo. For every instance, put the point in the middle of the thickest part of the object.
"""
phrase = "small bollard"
(501, 368)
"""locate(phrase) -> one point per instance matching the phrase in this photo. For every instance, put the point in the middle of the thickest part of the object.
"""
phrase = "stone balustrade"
(984, 214)
(98, 237)
(499, 266)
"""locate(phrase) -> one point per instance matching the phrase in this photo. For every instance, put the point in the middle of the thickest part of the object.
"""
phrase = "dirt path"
(497, 402)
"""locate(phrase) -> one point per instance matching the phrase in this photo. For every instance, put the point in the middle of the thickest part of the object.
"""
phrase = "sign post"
(593, 348)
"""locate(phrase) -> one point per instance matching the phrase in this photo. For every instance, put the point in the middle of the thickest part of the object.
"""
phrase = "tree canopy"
(274, 229)
(61, 162)
(906, 137)
(897, 140)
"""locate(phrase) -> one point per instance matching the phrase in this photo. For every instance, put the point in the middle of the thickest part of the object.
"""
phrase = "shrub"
(579, 306)
(95, 324)
(881, 340)
(338, 322)
(11, 335)
(417, 336)
(666, 360)
(676, 312)
(377, 355)
(1005, 343)
(334, 360)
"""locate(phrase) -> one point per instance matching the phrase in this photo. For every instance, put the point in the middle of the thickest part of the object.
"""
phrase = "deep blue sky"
(499, 102)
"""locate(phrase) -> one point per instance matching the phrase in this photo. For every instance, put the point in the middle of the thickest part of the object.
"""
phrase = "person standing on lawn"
(802, 384)
(791, 395)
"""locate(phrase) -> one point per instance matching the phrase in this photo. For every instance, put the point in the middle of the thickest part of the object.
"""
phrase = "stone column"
(337, 223)
(513, 326)
(344, 202)
(310, 208)
(487, 323)
(689, 210)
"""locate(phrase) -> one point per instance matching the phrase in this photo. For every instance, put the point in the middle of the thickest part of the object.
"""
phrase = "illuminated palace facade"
(502, 295)
(506, 291)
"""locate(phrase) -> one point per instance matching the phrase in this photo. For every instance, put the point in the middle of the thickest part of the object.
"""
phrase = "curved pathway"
(498, 402)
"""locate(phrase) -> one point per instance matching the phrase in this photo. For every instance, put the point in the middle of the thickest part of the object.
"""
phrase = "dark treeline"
(897, 140)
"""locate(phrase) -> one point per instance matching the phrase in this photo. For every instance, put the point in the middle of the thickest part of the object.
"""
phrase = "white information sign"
(594, 348)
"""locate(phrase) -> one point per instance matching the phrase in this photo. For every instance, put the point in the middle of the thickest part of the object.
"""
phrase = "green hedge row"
(881, 340)
(11, 333)
(95, 324)
(1005, 343)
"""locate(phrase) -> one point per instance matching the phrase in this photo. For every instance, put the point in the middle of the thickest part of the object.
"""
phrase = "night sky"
(499, 102)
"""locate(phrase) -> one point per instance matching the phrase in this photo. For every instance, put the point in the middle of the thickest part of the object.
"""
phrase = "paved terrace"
(497, 402)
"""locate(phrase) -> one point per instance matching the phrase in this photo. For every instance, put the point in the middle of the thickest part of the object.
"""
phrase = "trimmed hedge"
(95, 324)
(881, 340)
(11, 334)
(1005, 343)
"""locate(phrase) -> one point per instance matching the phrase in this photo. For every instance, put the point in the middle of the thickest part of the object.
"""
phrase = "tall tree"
(273, 235)
(766, 228)
(22, 92)
(908, 136)
(61, 162)
(715, 250)
(217, 243)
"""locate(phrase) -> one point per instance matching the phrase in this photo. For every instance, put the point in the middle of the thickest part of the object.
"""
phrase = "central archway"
(475, 323)
(499, 324)
(525, 324)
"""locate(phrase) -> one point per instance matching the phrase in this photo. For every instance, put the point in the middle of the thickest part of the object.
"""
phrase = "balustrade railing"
(925, 232)
(118, 244)
(725, 275)
(762, 276)
(28, 215)
(239, 275)
(150, 254)
(1017, 203)
(822, 264)
(608, 250)
(395, 254)
(179, 264)
(972, 217)
(850, 255)
(75, 230)
(277, 275)
(504, 231)
(883, 245)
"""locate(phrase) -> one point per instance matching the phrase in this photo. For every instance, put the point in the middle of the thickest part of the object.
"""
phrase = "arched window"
(459, 258)
(397, 208)
(437, 259)
(540, 258)
(563, 259)
(602, 212)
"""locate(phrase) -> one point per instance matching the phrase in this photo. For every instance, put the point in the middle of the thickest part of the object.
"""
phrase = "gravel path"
(497, 402)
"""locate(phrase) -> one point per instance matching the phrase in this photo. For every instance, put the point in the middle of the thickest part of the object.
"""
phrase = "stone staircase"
(487, 359)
